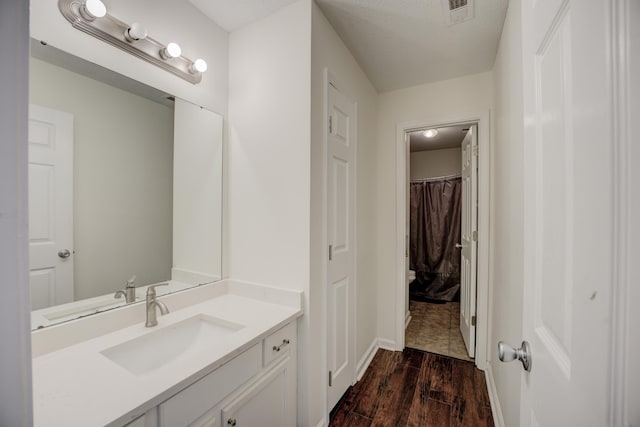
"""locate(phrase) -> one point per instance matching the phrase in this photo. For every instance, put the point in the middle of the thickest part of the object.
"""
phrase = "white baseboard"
(387, 344)
(366, 359)
(496, 410)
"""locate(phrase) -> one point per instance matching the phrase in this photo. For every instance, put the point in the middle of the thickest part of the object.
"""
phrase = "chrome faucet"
(129, 292)
(152, 304)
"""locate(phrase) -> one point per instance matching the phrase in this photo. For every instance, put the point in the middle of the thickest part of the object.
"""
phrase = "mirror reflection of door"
(50, 207)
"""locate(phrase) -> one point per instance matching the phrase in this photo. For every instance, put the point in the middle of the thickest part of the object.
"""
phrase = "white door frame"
(625, 339)
(402, 147)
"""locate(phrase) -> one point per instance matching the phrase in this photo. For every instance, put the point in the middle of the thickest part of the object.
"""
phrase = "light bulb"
(92, 9)
(198, 66)
(430, 133)
(136, 31)
(171, 51)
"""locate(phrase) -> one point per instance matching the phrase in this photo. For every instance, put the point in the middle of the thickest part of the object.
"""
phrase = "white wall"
(15, 351)
(506, 272)
(269, 161)
(471, 94)
(269, 113)
(166, 20)
(123, 168)
(435, 163)
(329, 52)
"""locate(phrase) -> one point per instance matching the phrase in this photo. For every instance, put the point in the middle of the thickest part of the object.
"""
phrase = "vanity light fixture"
(430, 133)
(135, 32)
(92, 9)
(91, 16)
(198, 66)
(172, 50)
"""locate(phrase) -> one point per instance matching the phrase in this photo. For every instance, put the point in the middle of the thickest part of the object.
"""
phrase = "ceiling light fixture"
(83, 15)
(430, 133)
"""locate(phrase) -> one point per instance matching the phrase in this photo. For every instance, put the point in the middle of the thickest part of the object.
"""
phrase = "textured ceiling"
(398, 43)
(402, 43)
(233, 14)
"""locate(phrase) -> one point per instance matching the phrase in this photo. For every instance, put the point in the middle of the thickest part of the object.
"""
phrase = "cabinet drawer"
(264, 403)
(192, 402)
(279, 342)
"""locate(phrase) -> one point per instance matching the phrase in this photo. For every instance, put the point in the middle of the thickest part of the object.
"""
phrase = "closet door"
(341, 186)
(469, 237)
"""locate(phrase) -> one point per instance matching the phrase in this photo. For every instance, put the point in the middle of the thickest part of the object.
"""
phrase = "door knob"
(64, 253)
(459, 246)
(506, 353)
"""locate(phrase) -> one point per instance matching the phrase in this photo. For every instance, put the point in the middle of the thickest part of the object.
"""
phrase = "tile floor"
(436, 328)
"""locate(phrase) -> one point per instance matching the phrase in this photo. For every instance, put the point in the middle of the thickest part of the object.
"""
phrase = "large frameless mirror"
(125, 187)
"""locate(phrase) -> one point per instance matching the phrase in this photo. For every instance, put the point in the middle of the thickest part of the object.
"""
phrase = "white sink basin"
(170, 344)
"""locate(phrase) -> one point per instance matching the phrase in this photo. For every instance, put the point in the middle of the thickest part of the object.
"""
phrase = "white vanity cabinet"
(255, 388)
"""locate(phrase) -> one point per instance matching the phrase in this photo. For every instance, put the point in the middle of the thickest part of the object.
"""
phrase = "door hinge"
(474, 150)
(475, 236)
(330, 378)
(330, 252)
(330, 124)
(473, 320)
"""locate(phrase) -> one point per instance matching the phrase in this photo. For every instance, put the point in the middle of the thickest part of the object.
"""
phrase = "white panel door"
(469, 244)
(568, 220)
(50, 207)
(341, 238)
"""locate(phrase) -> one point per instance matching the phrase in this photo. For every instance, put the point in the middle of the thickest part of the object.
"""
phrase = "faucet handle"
(151, 290)
(131, 282)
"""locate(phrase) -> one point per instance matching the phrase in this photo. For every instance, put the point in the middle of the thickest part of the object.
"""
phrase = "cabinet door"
(198, 399)
(269, 402)
(209, 420)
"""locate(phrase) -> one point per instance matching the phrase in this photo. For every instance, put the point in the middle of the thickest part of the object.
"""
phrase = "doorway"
(478, 318)
(441, 209)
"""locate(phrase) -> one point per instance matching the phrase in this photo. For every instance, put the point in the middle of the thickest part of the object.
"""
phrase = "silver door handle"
(506, 353)
(64, 253)
(459, 246)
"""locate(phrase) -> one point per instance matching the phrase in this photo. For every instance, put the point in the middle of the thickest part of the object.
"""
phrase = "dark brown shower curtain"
(434, 231)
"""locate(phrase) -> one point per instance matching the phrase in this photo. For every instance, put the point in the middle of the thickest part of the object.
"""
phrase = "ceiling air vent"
(454, 4)
(457, 11)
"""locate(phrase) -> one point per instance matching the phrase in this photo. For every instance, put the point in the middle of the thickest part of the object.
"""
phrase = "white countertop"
(78, 386)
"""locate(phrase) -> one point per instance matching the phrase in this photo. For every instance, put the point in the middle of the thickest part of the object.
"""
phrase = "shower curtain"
(435, 207)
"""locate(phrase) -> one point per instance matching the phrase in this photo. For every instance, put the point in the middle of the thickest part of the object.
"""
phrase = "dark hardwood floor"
(416, 388)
